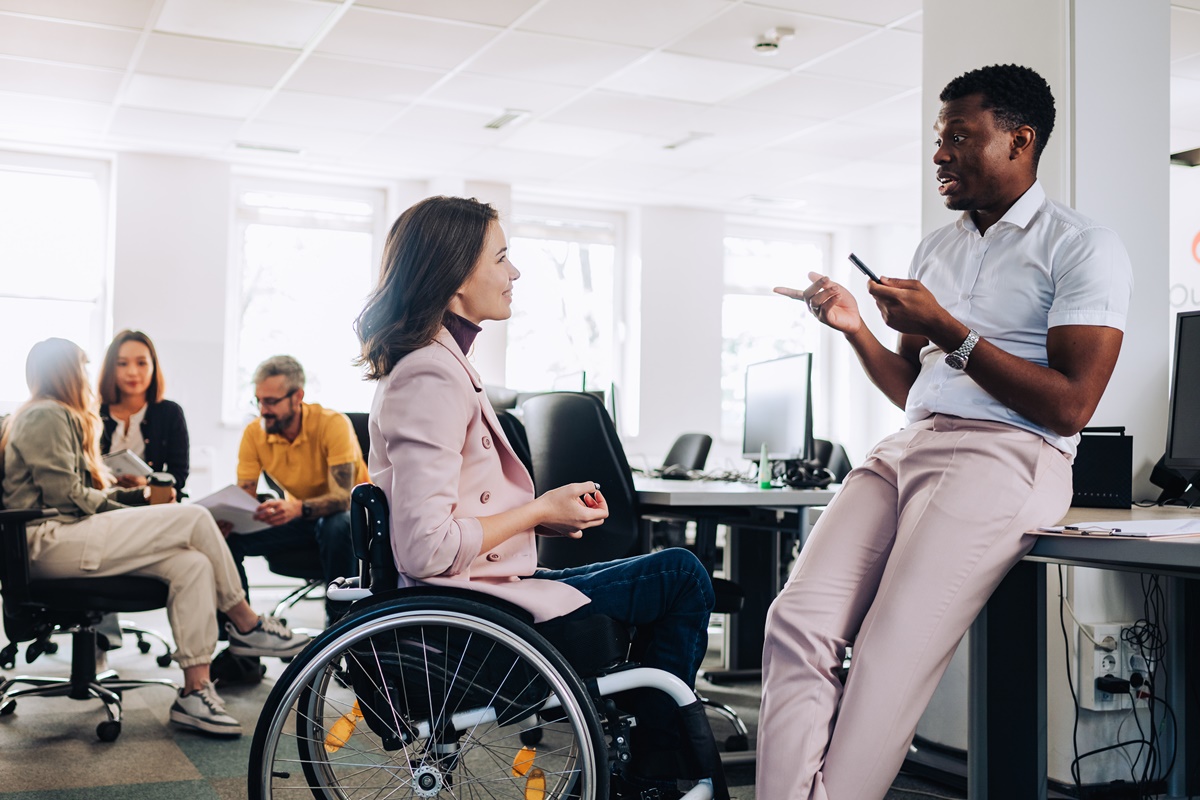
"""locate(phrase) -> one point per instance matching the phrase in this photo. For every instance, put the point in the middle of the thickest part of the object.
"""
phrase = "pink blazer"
(438, 450)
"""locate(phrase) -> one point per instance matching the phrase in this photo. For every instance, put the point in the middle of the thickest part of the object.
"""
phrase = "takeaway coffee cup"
(162, 485)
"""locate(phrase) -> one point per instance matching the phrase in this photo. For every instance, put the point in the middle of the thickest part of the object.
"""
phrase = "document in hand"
(234, 506)
(1135, 529)
(126, 462)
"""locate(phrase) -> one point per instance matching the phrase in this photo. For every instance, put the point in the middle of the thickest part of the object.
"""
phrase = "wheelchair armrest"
(19, 516)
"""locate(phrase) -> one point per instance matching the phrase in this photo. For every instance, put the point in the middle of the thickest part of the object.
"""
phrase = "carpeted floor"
(50, 750)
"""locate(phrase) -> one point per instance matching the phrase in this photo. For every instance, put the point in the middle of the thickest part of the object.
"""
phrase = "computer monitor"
(1183, 418)
(779, 409)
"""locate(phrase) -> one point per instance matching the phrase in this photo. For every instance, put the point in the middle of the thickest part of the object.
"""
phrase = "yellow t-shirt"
(301, 467)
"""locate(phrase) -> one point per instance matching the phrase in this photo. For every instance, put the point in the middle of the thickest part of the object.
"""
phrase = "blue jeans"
(666, 595)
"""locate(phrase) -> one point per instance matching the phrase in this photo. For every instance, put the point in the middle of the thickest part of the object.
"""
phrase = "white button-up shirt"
(1040, 266)
(129, 437)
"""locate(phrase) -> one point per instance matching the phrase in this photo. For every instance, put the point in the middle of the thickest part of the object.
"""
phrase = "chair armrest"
(19, 516)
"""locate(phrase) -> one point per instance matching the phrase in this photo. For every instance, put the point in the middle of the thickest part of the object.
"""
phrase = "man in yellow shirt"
(313, 455)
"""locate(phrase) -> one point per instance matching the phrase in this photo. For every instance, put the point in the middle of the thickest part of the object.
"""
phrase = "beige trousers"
(899, 566)
(178, 544)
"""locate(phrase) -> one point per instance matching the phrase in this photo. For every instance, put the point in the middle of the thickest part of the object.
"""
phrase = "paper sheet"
(234, 506)
(1137, 529)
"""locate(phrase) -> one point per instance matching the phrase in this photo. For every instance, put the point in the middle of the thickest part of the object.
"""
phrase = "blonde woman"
(52, 460)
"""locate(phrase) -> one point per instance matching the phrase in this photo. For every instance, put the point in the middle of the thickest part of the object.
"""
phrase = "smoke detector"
(768, 43)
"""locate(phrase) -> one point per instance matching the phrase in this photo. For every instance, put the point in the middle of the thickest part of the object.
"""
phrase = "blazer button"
(487, 443)
(493, 556)
(483, 498)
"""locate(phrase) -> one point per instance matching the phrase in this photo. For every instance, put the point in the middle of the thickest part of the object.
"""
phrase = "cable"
(1081, 626)
(1062, 622)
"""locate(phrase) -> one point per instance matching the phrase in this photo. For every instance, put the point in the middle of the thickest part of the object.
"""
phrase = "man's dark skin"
(982, 169)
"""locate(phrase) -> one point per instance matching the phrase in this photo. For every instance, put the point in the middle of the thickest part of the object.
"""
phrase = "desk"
(752, 560)
(1006, 742)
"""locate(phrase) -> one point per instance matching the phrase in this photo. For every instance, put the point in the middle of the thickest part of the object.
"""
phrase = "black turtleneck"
(462, 329)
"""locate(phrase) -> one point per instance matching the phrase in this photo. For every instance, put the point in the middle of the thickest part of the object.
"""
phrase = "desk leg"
(1006, 742)
(752, 561)
(1185, 690)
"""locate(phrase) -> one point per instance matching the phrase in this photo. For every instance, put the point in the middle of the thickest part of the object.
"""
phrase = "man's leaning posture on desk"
(312, 454)
(1010, 323)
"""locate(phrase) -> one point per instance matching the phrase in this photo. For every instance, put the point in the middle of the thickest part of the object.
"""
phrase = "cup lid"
(161, 479)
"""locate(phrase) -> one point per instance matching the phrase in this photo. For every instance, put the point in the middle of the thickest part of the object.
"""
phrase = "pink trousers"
(899, 566)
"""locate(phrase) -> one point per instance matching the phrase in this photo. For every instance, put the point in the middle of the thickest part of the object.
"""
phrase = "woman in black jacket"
(134, 413)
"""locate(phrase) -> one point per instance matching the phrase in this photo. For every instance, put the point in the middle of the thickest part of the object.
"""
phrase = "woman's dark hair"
(109, 391)
(1014, 94)
(431, 250)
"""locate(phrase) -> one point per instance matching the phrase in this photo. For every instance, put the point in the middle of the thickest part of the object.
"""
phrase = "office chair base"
(143, 635)
(740, 739)
(105, 689)
(295, 596)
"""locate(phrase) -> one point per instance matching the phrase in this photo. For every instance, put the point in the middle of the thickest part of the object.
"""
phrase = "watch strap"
(958, 359)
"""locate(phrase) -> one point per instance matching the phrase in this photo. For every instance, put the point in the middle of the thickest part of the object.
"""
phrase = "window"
(757, 324)
(306, 259)
(54, 258)
(561, 334)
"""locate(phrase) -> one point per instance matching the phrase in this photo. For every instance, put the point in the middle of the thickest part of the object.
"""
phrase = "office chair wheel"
(109, 730)
(531, 737)
(51, 648)
(8, 708)
(163, 661)
(144, 647)
(440, 686)
(736, 743)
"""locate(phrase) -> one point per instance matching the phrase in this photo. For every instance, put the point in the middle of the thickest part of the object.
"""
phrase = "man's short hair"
(1015, 95)
(286, 366)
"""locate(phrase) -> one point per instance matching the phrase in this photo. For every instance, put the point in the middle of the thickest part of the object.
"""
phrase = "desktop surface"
(665, 492)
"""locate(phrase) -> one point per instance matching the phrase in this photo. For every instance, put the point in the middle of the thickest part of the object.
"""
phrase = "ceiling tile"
(732, 37)
(159, 127)
(125, 13)
(435, 123)
(774, 165)
(901, 114)
(910, 153)
(1192, 4)
(609, 173)
(301, 137)
(874, 12)
(566, 140)
(698, 154)
(420, 158)
(815, 96)
(487, 12)
(414, 41)
(872, 175)
(207, 59)
(616, 111)
(750, 128)
(725, 187)
(469, 91)
(362, 79)
(284, 23)
(24, 112)
(842, 140)
(59, 80)
(1184, 139)
(885, 57)
(534, 57)
(327, 111)
(498, 164)
(632, 22)
(1185, 103)
(698, 80)
(61, 41)
(192, 97)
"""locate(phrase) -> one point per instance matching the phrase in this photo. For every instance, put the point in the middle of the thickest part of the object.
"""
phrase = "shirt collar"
(1021, 213)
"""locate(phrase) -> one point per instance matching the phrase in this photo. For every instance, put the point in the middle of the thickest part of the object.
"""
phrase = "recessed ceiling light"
(268, 148)
(1187, 158)
(686, 140)
(774, 202)
(768, 43)
(509, 117)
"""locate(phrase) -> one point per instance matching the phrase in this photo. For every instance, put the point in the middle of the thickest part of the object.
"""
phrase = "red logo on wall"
(1196, 246)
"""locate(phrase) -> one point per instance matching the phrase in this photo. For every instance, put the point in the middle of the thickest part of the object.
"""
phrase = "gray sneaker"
(270, 637)
(204, 710)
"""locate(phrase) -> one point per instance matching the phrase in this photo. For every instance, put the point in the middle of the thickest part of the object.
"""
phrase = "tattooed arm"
(337, 499)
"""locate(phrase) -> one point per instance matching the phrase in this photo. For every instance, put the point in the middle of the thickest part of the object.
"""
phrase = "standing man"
(313, 455)
(1010, 324)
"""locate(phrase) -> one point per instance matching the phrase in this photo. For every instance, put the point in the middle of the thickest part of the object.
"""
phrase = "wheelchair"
(445, 693)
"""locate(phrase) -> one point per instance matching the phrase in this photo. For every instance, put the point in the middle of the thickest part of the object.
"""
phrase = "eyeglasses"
(270, 402)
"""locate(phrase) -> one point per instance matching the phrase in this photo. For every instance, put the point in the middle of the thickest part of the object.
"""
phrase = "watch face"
(955, 362)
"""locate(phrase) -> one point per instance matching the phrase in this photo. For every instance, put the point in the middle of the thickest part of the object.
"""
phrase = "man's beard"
(276, 424)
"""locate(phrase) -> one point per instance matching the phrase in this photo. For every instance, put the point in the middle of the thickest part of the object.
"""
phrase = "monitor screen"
(1183, 420)
(778, 408)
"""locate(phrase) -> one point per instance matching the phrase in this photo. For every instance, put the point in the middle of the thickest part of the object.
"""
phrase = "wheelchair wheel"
(427, 696)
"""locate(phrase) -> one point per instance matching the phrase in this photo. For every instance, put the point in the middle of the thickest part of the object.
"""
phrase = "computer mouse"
(675, 472)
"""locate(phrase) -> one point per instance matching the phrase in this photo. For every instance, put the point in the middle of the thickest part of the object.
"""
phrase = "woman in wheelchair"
(462, 507)
(51, 460)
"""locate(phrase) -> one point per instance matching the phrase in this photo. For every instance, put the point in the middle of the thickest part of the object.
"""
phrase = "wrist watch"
(958, 359)
(306, 511)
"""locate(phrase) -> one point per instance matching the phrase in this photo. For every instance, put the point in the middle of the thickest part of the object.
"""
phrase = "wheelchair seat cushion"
(592, 644)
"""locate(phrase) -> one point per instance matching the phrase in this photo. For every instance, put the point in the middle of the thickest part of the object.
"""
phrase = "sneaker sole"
(247, 650)
(188, 721)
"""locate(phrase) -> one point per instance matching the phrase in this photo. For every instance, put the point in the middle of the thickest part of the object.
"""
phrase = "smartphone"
(863, 268)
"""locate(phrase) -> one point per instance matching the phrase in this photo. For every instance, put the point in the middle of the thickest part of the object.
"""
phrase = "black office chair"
(689, 452)
(514, 431)
(304, 561)
(35, 609)
(572, 439)
(832, 456)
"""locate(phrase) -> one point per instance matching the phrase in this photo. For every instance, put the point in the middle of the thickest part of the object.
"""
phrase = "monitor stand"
(1189, 496)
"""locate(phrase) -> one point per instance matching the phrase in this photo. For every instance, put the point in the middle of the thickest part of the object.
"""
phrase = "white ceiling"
(403, 89)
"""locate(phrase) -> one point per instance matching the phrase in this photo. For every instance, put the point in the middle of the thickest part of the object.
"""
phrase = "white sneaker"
(204, 710)
(270, 637)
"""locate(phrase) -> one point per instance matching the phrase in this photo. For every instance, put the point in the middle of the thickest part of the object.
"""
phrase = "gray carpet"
(50, 750)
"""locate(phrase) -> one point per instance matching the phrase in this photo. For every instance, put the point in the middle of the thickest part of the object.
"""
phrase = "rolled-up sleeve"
(424, 418)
